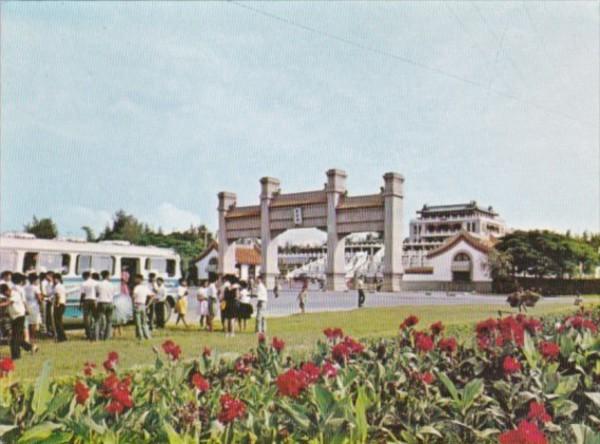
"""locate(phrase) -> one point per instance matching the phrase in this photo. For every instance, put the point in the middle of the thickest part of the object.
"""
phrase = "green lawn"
(300, 332)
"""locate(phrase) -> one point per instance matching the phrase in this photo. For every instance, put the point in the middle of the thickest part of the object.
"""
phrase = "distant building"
(247, 262)
(435, 224)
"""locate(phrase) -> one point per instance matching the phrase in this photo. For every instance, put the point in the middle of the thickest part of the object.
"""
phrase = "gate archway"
(330, 209)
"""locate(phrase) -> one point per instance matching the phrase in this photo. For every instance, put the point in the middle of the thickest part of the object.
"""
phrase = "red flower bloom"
(261, 338)
(348, 347)
(199, 382)
(277, 344)
(171, 349)
(291, 383)
(82, 392)
(437, 328)
(525, 433)
(511, 365)
(311, 372)
(241, 367)
(333, 333)
(423, 342)
(113, 356)
(410, 321)
(447, 345)
(110, 383)
(206, 352)
(111, 361)
(426, 378)
(231, 409)
(329, 370)
(7, 365)
(537, 412)
(550, 350)
(115, 407)
(88, 368)
(119, 393)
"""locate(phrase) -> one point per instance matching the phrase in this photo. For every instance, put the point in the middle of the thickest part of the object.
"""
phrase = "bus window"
(50, 261)
(148, 265)
(8, 261)
(65, 263)
(30, 262)
(97, 263)
(171, 267)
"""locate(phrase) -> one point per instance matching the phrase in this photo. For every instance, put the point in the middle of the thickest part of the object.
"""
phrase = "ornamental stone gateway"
(330, 209)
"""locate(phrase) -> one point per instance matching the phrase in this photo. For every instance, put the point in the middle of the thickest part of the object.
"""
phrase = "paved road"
(321, 301)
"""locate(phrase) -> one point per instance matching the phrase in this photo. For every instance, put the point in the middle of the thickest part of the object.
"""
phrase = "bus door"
(130, 265)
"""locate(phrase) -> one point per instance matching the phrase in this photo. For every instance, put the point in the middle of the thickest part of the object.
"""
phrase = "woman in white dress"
(202, 298)
(33, 299)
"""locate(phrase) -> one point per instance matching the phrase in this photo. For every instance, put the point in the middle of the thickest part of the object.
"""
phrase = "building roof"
(246, 255)
(302, 198)
(419, 270)
(475, 242)
(471, 206)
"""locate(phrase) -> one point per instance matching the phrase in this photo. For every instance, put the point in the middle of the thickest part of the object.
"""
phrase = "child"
(202, 304)
(302, 296)
(181, 304)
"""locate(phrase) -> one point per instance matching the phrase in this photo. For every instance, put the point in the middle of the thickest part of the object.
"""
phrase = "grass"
(300, 332)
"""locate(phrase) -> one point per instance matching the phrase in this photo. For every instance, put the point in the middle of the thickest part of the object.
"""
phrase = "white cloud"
(171, 218)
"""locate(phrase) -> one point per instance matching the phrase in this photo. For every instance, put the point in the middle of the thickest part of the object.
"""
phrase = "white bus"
(24, 253)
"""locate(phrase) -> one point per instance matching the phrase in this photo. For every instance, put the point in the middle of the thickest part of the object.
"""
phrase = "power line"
(406, 60)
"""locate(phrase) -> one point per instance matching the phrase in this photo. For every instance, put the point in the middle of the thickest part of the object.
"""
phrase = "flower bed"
(521, 380)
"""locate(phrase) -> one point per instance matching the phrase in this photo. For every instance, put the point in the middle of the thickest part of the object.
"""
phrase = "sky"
(155, 107)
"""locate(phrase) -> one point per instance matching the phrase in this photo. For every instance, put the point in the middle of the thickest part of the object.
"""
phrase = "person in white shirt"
(151, 308)
(245, 306)
(16, 311)
(47, 288)
(106, 294)
(261, 307)
(33, 299)
(19, 286)
(360, 287)
(141, 296)
(60, 303)
(159, 305)
(89, 305)
(212, 295)
(202, 298)
(6, 278)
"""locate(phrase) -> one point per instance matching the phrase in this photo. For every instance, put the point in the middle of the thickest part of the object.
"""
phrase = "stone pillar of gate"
(336, 263)
(226, 247)
(269, 269)
(392, 233)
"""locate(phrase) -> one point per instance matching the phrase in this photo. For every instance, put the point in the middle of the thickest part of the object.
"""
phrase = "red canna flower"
(437, 328)
(261, 338)
(171, 349)
(199, 382)
(291, 383)
(447, 345)
(333, 333)
(537, 412)
(277, 344)
(329, 370)
(115, 407)
(511, 365)
(118, 392)
(7, 365)
(241, 367)
(206, 352)
(82, 392)
(525, 433)
(410, 321)
(231, 409)
(426, 378)
(88, 368)
(311, 372)
(111, 361)
(549, 350)
(423, 342)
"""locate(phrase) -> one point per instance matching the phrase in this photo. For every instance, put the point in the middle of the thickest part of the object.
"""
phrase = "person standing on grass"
(244, 306)
(151, 308)
(302, 296)
(360, 286)
(202, 299)
(276, 288)
(33, 299)
(212, 296)
(159, 305)
(230, 312)
(16, 311)
(141, 295)
(181, 304)
(47, 287)
(60, 303)
(88, 304)
(261, 306)
(106, 295)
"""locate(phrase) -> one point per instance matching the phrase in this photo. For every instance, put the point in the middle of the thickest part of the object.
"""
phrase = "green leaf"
(595, 397)
(563, 408)
(172, 435)
(360, 412)
(296, 415)
(39, 433)
(567, 385)
(4, 428)
(449, 386)
(471, 391)
(325, 401)
(531, 354)
(584, 435)
(429, 430)
(41, 391)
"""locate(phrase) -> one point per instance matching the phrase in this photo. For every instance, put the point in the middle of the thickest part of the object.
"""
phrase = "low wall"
(551, 286)
(479, 287)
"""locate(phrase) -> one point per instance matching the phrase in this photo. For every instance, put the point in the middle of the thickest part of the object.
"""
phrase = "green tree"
(44, 228)
(89, 233)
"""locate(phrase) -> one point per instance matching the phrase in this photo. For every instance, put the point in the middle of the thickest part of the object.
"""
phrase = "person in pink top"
(125, 282)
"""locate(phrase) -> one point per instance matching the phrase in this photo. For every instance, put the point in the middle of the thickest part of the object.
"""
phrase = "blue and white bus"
(24, 253)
